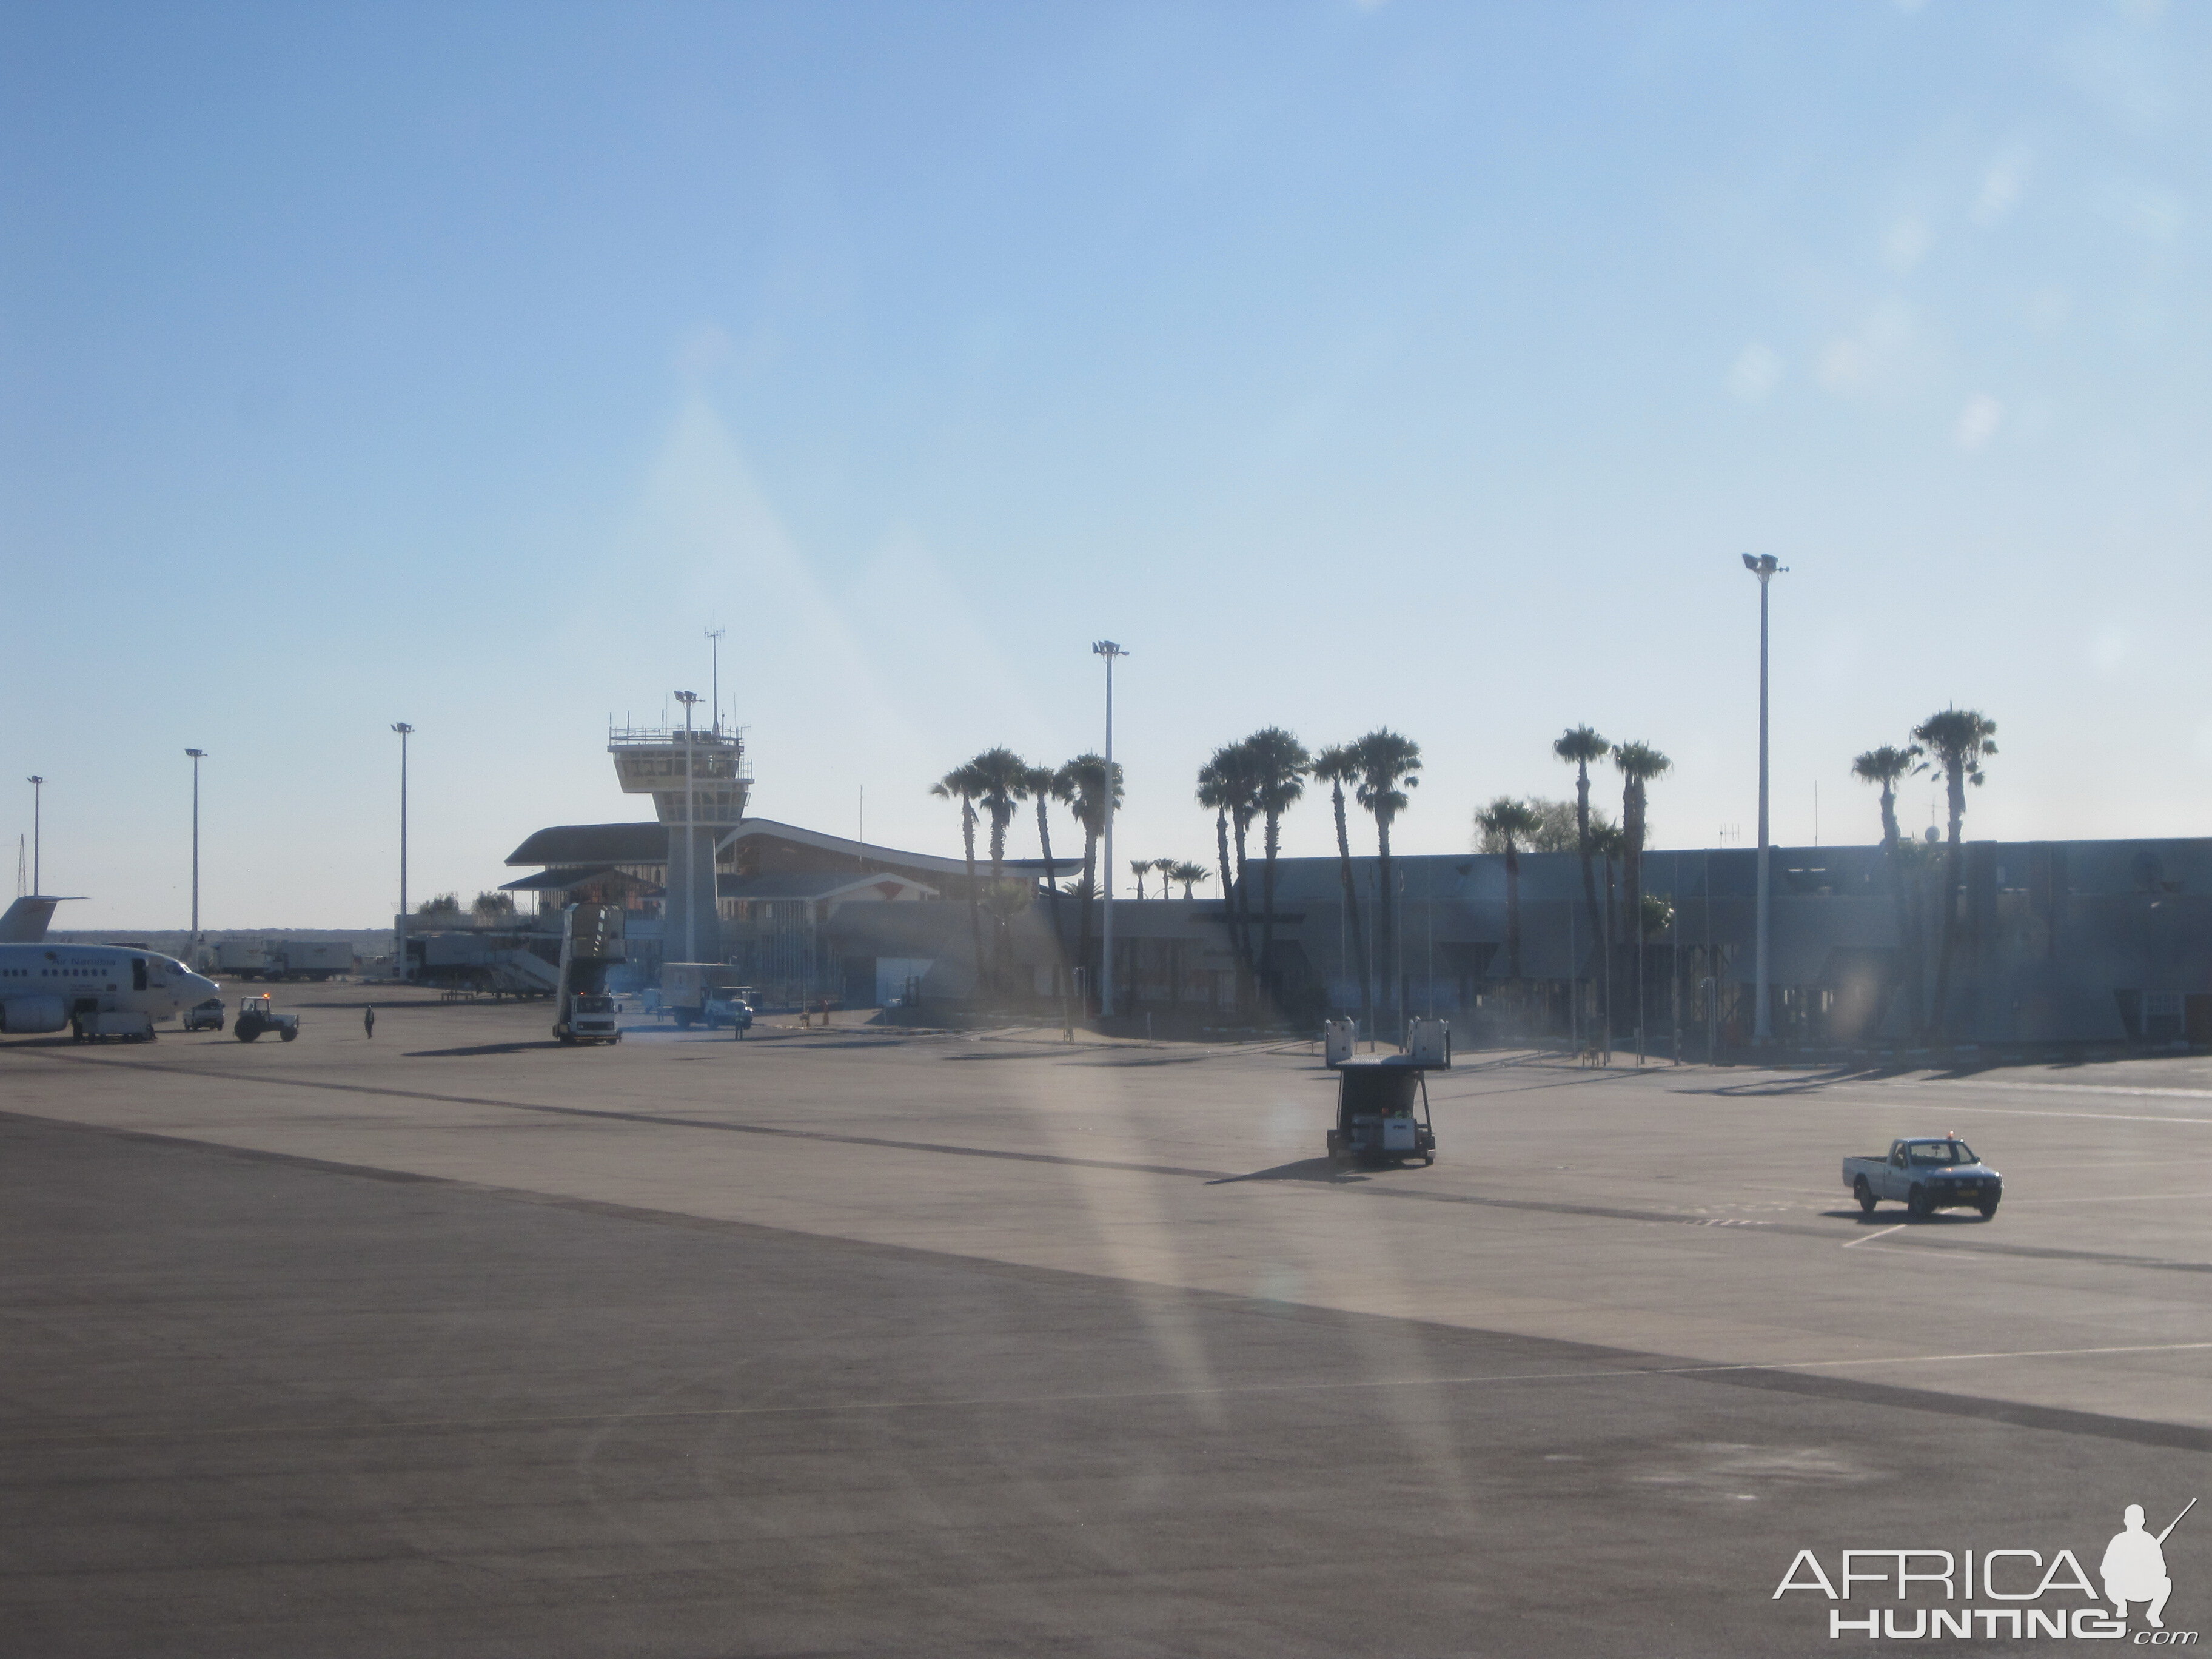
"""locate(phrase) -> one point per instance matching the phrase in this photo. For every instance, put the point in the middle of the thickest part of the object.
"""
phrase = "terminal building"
(2063, 942)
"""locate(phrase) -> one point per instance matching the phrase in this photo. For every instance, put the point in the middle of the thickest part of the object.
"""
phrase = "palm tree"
(963, 785)
(1580, 745)
(1140, 868)
(1081, 784)
(1189, 874)
(1165, 869)
(1337, 767)
(1388, 760)
(1959, 740)
(1638, 764)
(1279, 764)
(1226, 784)
(1608, 843)
(1038, 785)
(1511, 821)
(1002, 776)
(1888, 766)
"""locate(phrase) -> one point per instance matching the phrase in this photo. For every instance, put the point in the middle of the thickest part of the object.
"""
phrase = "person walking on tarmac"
(368, 1021)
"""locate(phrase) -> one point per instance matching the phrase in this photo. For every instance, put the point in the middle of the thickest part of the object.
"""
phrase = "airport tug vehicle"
(1383, 1102)
(256, 1015)
(1928, 1175)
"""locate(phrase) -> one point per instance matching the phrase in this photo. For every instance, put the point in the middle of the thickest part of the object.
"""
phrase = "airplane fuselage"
(46, 986)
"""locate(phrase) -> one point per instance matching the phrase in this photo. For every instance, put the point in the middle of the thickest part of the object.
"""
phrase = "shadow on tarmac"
(1322, 1169)
(480, 1049)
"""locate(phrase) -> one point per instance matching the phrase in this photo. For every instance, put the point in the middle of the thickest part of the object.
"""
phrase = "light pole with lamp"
(1109, 650)
(690, 839)
(399, 963)
(38, 800)
(1764, 567)
(197, 755)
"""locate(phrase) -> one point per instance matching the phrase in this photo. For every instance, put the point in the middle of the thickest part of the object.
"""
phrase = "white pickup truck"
(1932, 1175)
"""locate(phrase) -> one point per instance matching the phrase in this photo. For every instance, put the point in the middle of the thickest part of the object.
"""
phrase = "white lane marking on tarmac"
(2096, 1117)
(2063, 1088)
(1938, 1358)
(1884, 1233)
(2117, 1198)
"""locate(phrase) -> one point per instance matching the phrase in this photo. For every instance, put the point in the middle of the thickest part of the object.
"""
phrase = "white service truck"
(702, 993)
(315, 959)
(1937, 1173)
(238, 958)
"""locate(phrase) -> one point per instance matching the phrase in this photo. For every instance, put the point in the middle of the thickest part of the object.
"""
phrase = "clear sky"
(1412, 363)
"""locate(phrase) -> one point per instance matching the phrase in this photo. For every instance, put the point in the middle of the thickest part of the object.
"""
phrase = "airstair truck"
(591, 942)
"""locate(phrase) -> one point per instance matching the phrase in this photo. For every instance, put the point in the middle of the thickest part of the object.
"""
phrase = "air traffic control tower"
(699, 780)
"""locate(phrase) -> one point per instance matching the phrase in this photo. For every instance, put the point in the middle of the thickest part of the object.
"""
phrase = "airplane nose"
(200, 989)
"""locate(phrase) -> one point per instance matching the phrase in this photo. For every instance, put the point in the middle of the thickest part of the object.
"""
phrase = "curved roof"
(595, 843)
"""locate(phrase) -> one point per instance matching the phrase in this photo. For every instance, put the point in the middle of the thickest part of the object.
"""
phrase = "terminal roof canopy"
(563, 878)
(595, 844)
(785, 846)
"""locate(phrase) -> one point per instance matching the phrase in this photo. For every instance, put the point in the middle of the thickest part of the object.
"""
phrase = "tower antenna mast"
(715, 647)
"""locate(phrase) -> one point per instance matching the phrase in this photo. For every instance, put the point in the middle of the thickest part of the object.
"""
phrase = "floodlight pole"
(690, 840)
(1762, 1016)
(197, 755)
(399, 966)
(37, 801)
(1109, 650)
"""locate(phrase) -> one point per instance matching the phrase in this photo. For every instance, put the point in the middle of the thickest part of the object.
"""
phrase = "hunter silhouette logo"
(2013, 1594)
(2134, 1568)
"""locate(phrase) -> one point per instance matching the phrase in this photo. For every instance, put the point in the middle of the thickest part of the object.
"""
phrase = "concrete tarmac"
(458, 1342)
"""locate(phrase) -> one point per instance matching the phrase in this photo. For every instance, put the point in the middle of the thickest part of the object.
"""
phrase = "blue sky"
(1419, 364)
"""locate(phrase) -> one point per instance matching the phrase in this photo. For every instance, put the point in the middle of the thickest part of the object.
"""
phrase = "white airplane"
(45, 986)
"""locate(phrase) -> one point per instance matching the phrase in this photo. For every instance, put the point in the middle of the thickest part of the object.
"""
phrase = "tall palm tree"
(1038, 784)
(1337, 767)
(1639, 764)
(1140, 868)
(1081, 784)
(1388, 760)
(1227, 784)
(1165, 869)
(1002, 774)
(1511, 821)
(1608, 843)
(1280, 763)
(1959, 740)
(1189, 874)
(1581, 744)
(1886, 766)
(963, 784)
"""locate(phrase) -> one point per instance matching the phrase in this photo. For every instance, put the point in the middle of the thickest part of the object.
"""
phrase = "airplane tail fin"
(25, 922)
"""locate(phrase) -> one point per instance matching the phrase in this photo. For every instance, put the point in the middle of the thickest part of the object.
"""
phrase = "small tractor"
(256, 1015)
